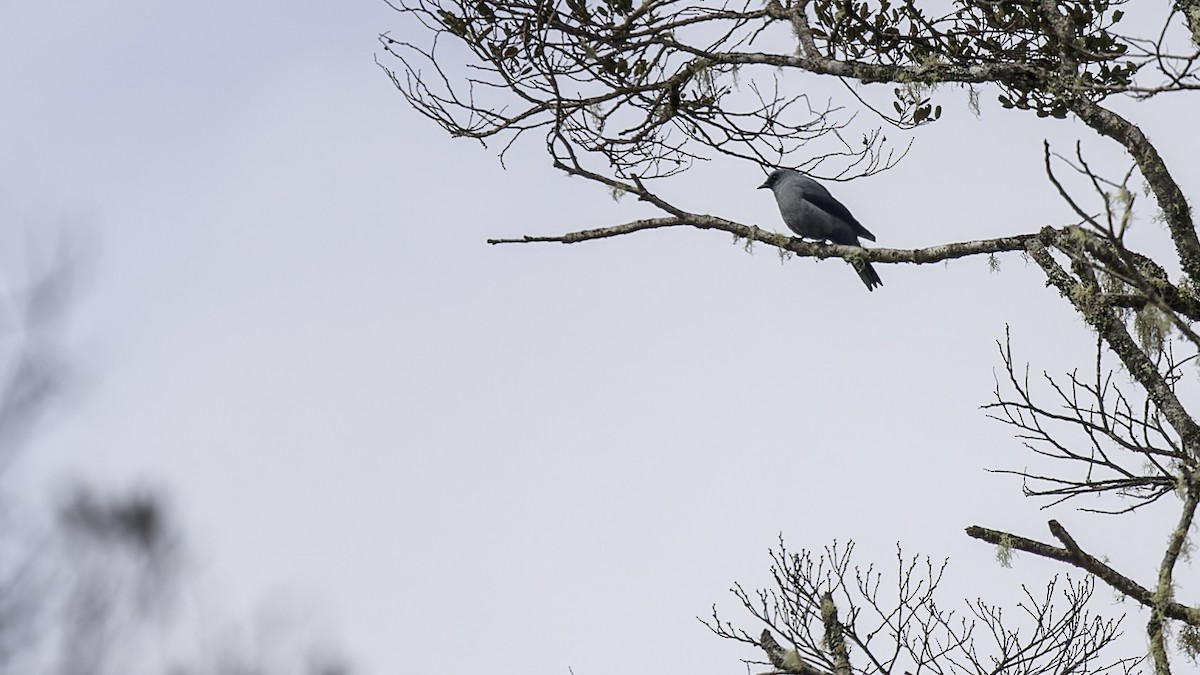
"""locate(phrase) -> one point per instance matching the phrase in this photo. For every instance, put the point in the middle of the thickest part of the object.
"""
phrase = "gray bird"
(811, 212)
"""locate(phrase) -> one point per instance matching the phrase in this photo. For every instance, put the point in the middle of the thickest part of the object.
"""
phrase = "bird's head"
(777, 176)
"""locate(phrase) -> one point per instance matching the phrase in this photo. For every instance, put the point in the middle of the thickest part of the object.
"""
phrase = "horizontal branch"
(800, 247)
(1074, 555)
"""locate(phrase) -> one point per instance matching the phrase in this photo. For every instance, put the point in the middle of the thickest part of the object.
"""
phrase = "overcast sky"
(521, 459)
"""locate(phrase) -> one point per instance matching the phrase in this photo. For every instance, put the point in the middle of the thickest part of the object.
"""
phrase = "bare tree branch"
(1075, 556)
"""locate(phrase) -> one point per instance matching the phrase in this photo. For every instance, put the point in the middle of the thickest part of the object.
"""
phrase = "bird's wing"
(821, 199)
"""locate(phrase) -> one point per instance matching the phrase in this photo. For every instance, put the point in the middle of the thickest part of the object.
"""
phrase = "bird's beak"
(764, 185)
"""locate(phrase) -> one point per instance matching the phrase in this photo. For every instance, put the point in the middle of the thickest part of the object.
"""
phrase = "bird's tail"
(867, 273)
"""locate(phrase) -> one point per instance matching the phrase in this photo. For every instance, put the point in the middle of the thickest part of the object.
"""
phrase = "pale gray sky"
(518, 459)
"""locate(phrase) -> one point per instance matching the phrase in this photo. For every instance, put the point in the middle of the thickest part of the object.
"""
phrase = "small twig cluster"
(894, 624)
